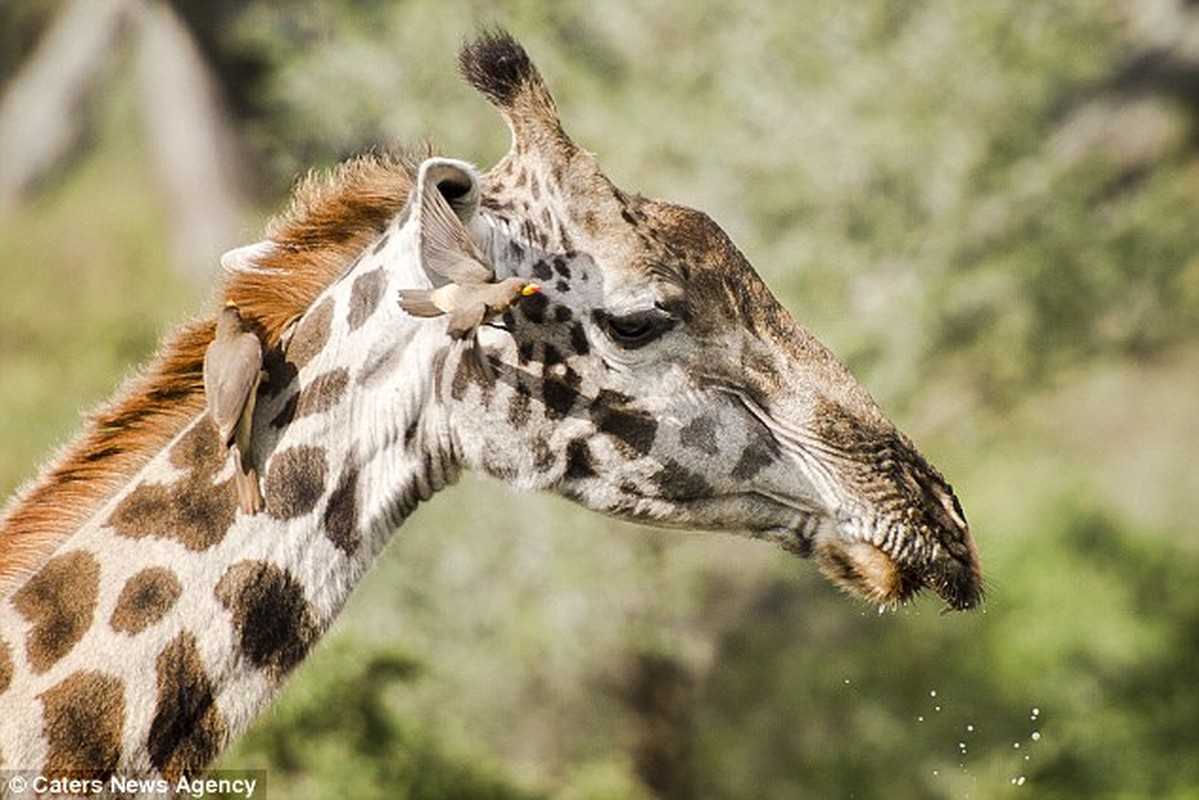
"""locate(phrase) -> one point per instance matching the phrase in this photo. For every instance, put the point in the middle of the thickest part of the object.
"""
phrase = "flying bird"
(232, 372)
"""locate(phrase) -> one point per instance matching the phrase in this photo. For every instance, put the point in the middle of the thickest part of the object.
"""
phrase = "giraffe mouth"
(888, 569)
(888, 574)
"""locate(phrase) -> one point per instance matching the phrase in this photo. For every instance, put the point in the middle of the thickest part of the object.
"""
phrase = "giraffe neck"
(156, 631)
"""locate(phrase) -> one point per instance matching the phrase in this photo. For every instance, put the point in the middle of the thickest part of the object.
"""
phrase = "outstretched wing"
(446, 248)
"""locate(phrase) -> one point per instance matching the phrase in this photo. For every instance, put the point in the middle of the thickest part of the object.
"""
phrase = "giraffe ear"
(447, 201)
(248, 257)
(456, 181)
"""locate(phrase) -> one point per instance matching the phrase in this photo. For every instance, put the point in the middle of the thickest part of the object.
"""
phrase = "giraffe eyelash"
(637, 328)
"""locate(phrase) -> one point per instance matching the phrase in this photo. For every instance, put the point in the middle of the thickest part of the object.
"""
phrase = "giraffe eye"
(638, 328)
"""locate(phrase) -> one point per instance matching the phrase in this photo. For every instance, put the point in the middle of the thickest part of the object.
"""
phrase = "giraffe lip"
(887, 578)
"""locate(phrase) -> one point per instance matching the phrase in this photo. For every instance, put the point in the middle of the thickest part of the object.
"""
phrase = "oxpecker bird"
(232, 372)
(472, 296)
(469, 306)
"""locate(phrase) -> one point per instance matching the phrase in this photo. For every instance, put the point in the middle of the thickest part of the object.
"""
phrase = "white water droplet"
(936, 708)
(1036, 712)
(920, 718)
(932, 693)
(1016, 745)
(969, 729)
(1036, 736)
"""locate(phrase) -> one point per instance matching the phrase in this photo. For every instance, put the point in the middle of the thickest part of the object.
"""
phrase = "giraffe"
(145, 618)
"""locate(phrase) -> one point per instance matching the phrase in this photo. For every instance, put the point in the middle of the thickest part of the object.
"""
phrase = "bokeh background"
(989, 210)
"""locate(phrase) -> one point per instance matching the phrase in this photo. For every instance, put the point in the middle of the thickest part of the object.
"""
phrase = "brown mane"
(330, 221)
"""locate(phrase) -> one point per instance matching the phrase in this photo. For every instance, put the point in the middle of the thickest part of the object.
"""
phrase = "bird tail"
(419, 303)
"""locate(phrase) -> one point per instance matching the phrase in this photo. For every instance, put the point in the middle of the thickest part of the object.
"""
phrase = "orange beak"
(528, 289)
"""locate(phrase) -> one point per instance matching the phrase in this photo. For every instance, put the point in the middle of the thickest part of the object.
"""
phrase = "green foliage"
(966, 201)
(304, 739)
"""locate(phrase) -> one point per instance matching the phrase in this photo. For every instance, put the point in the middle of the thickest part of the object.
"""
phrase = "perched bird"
(472, 296)
(232, 372)
(469, 305)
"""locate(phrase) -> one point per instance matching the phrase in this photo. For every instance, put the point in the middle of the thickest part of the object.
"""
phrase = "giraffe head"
(655, 378)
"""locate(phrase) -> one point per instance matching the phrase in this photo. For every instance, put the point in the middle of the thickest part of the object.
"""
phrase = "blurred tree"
(43, 116)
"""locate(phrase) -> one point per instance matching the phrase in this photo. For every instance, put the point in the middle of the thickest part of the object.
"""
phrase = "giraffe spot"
(365, 295)
(6, 668)
(633, 430)
(145, 599)
(199, 449)
(561, 267)
(84, 717)
(579, 462)
(188, 730)
(273, 621)
(559, 394)
(341, 513)
(677, 483)
(192, 511)
(525, 351)
(534, 307)
(578, 339)
(700, 434)
(295, 481)
(59, 602)
(542, 270)
(760, 453)
(550, 356)
(323, 393)
(312, 334)
(563, 313)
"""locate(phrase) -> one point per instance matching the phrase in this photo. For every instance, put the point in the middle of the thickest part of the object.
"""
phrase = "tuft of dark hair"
(497, 66)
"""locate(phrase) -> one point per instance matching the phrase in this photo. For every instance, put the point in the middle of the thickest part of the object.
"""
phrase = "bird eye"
(638, 328)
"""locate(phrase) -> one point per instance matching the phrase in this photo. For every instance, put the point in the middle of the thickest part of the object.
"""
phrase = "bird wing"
(231, 373)
(445, 245)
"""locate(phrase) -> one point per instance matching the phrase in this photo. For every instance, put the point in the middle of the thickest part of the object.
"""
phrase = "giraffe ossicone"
(653, 377)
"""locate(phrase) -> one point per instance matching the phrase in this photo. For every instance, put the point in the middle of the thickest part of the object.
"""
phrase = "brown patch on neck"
(85, 715)
(331, 220)
(59, 602)
(146, 598)
(188, 730)
(275, 624)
